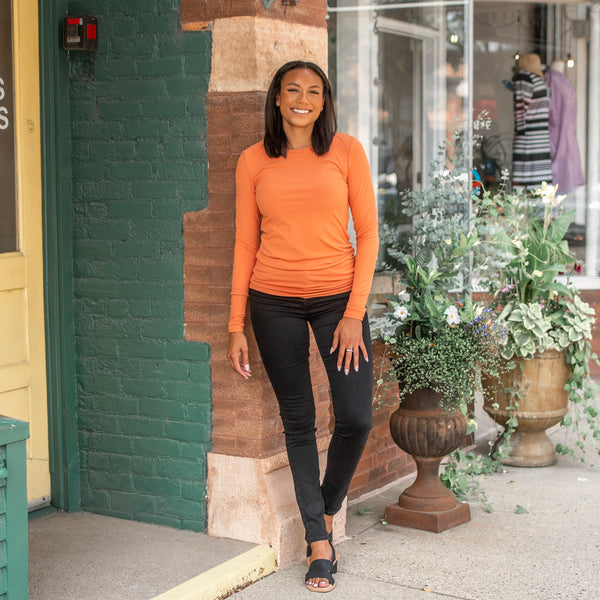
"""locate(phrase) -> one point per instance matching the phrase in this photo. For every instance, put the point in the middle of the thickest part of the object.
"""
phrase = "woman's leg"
(281, 331)
(352, 397)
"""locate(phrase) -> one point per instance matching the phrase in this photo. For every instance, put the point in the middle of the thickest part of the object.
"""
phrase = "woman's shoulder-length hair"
(325, 126)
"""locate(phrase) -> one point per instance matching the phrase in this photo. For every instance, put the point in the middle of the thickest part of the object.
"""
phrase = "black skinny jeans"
(280, 326)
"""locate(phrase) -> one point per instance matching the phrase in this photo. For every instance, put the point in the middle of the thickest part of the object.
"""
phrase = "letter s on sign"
(4, 122)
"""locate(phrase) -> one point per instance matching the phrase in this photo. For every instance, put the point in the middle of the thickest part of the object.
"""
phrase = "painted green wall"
(138, 160)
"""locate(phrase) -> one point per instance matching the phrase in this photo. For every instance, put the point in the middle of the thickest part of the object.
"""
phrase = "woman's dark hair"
(275, 140)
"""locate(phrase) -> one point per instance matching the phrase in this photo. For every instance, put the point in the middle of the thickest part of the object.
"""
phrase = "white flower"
(401, 313)
(452, 316)
(404, 296)
(548, 192)
(537, 273)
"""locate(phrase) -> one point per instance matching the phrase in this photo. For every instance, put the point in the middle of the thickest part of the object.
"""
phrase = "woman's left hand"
(348, 341)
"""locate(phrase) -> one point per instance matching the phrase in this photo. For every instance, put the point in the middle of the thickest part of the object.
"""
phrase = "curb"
(228, 577)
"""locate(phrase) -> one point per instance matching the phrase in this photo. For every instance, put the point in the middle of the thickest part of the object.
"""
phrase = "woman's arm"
(361, 198)
(247, 241)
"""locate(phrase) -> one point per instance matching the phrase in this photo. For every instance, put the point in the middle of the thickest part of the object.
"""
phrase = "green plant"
(436, 336)
(520, 263)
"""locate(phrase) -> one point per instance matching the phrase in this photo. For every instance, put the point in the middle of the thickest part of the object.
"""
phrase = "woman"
(296, 264)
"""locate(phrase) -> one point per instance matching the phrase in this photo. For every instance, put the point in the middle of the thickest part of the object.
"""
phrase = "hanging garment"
(531, 143)
(566, 162)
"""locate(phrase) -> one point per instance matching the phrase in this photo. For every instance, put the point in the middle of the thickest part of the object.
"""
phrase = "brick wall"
(139, 163)
(245, 413)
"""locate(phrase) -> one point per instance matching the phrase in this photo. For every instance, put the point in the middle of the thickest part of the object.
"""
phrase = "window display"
(410, 77)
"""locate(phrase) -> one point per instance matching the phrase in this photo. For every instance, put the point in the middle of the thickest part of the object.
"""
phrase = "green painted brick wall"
(138, 145)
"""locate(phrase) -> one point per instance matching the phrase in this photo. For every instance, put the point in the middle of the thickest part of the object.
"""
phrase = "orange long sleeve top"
(292, 218)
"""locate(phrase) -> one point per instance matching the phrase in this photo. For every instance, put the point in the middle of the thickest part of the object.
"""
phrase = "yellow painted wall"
(22, 344)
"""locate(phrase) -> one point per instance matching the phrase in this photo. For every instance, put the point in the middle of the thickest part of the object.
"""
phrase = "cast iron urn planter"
(422, 428)
(542, 403)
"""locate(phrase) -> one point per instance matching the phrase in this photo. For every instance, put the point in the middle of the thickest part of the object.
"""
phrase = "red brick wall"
(307, 12)
(245, 413)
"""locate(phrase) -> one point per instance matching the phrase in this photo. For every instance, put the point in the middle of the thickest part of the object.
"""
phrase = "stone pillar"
(250, 493)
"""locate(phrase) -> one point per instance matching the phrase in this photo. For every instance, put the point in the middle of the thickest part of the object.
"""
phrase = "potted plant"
(521, 263)
(437, 340)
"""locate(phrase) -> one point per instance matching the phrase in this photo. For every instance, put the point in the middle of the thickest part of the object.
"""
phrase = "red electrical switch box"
(80, 33)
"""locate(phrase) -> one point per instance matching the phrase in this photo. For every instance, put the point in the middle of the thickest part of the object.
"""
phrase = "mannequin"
(564, 151)
(531, 143)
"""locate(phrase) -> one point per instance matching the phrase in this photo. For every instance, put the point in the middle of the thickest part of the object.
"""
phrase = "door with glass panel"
(411, 113)
(22, 351)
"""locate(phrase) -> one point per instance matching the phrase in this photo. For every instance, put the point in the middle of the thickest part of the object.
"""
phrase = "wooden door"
(22, 342)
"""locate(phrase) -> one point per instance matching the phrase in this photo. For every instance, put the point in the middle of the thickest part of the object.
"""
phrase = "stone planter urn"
(543, 403)
(422, 428)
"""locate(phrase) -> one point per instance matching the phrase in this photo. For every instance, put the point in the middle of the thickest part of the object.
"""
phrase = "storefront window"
(408, 75)
(8, 203)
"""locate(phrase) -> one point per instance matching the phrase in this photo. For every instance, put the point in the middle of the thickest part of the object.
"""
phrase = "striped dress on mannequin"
(531, 143)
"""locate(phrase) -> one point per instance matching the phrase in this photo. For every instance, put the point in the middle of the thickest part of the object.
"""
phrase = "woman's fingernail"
(346, 371)
(247, 367)
(331, 350)
(339, 368)
(356, 368)
(367, 359)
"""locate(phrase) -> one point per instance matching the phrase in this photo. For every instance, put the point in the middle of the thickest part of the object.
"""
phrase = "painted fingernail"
(339, 368)
(346, 371)
(356, 368)
(331, 350)
(367, 359)
(247, 367)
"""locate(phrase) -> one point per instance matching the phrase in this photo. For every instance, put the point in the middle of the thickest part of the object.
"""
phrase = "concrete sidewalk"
(549, 552)
(541, 542)
(82, 556)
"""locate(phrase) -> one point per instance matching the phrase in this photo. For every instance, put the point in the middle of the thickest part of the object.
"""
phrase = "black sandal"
(320, 568)
(333, 558)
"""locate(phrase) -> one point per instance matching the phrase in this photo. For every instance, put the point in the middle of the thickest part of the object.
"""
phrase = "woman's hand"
(237, 354)
(348, 341)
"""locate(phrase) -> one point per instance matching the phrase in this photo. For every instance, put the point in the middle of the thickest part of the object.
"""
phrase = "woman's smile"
(300, 99)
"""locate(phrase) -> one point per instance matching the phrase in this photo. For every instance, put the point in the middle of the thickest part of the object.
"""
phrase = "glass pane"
(556, 38)
(8, 193)
(401, 82)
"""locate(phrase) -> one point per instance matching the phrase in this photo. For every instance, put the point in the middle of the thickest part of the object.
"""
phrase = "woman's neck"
(298, 138)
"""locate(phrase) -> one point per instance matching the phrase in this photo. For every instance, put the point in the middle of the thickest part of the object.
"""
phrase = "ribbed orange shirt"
(292, 218)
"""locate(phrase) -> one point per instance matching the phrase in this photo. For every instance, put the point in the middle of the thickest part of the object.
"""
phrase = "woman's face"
(300, 98)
